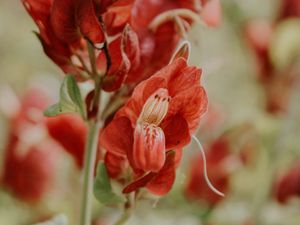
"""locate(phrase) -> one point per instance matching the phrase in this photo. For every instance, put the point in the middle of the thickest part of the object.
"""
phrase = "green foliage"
(70, 99)
(102, 187)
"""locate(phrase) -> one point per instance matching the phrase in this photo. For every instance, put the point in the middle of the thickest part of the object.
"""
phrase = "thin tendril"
(205, 168)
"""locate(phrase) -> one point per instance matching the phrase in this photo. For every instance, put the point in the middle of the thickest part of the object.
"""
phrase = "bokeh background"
(263, 145)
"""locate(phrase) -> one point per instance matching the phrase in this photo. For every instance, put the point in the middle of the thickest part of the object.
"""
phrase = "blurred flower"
(277, 82)
(217, 157)
(70, 131)
(30, 156)
(289, 8)
(287, 185)
(155, 120)
(225, 155)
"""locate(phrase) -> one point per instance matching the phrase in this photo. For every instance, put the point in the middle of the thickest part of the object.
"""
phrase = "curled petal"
(149, 147)
(63, 20)
(117, 137)
(183, 51)
(158, 183)
(88, 22)
(131, 46)
(119, 67)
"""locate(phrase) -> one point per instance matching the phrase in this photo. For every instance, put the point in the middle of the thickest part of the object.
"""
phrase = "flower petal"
(149, 148)
(191, 105)
(70, 131)
(162, 183)
(63, 20)
(141, 93)
(158, 183)
(115, 164)
(117, 137)
(176, 131)
(88, 22)
(120, 64)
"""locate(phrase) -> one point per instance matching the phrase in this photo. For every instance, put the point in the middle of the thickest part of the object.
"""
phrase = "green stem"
(89, 164)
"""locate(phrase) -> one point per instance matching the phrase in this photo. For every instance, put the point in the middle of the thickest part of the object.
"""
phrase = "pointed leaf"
(102, 187)
(70, 99)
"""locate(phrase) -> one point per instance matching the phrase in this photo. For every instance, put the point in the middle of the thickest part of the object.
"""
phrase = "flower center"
(155, 108)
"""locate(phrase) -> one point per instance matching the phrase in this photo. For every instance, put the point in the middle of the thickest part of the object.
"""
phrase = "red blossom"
(30, 176)
(161, 115)
(288, 184)
(30, 157)
(197, 188)
(54, 47)
(70, 131)
(124, 54)
(289, 9)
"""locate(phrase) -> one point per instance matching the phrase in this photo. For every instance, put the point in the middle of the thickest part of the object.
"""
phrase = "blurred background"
(251, 131)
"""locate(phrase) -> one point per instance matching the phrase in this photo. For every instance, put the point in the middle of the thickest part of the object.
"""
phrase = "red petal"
(141, 93)
(191, 105)
(162, 183)
(119, 67)
(131, 47)
(117, 16)
(140, 183)
(88, 22)
(117, 137)
(176, 132)
(115, 164)
(187, 78)
(70, 131)
(158, 183)
(149, 148)
(63, 20)
(30, 177)
(38, 9)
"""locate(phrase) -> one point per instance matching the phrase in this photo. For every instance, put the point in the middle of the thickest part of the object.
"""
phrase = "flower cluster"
(34, 146)
(127, 47)
(147, 135)
(131, 39)
(275, 56)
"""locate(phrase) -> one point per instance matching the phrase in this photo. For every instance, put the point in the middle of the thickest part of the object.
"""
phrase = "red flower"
(70, 131)
(30, 175)
(288, 185)
(160, 116)
(30, 156)
(57, 50)
(197, 188)
(260, 46)
(124, 54)
(289, 8)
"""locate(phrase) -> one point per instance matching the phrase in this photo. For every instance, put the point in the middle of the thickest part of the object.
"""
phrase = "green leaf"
(59, 219)
(102, 187)
(70, 99)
